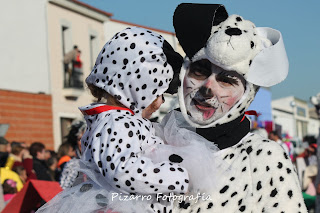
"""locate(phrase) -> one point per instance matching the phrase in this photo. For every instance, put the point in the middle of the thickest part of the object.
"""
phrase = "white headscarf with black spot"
(133, 68)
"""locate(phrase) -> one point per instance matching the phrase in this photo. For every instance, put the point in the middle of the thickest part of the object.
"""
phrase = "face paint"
(210, 91)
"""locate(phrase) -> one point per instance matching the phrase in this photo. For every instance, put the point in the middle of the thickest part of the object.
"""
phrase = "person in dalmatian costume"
(227, 59)
(132, 72)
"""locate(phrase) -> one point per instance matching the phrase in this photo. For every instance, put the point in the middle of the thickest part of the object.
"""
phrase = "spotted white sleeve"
(275, 182)
(116, 149)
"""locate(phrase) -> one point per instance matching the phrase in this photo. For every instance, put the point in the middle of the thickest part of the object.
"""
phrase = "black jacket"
(3, 158)
(41, 169)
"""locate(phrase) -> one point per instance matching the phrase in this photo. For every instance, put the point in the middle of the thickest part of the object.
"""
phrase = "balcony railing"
(73, 82)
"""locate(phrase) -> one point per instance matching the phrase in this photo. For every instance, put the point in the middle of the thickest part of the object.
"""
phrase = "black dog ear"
(193, 23)
(175, 60)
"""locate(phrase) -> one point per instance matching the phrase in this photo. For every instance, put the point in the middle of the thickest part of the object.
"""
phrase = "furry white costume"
(262, 177)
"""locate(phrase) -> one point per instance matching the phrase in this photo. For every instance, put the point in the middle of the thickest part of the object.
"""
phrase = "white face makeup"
(210, 91)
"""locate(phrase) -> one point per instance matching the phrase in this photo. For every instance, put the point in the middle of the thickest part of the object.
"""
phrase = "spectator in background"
(311, 155)
(20, 170)
(48, 155)
(9, 190)
(68, 60)
(5, 149)
(38, 152)
(70, 171)
(20, 156)
(78, 127)
(76, 75)
(65, 154)
(16, 150)
(52, 163)
(276, 137)
(290, 147)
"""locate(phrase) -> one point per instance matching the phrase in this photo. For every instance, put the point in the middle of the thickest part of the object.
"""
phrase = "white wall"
(285, 113)
(285, 120)
(23, 42)
(313, 127)
(113, 26)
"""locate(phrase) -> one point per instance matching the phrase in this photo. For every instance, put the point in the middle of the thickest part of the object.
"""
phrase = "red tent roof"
(30, 196)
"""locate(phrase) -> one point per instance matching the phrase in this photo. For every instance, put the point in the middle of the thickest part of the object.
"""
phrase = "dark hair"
(97, 92)
(64, 149)
(75, 47)
(75, 130)
(101, 93)
(52, 160)
(7, 189)
(3, 141)
(275, 133)
(310, 139)
(16, 149)
(35, 148)
(18, 169)
(205, 65)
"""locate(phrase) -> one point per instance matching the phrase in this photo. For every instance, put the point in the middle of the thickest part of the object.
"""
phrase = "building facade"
(35, 86)
(294, 117)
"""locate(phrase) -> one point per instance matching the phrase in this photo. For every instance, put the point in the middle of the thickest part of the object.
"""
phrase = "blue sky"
(298, 22)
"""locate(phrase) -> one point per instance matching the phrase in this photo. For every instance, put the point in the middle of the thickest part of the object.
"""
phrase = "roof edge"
(138, 25)
(82, 8)
(92, 8)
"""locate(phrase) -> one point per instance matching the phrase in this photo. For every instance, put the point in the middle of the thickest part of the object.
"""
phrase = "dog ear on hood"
(193, 31)
(176, 61)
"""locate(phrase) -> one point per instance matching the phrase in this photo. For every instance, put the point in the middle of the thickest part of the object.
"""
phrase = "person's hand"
(26, 154)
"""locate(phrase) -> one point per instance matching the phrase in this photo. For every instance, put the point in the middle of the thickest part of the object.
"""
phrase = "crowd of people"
(20, 162)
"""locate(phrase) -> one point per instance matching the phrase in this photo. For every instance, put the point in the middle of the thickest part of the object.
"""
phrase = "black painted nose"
(233, 31)
(205, 92)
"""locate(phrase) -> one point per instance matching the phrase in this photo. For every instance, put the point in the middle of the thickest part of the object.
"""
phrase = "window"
(93, 50)
(66, 39)
(66, 47)
(65, 127)
(301, 111)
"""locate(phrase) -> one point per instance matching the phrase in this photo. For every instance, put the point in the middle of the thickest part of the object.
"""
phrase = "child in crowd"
(131, 73)
(65, 154)
(21, 171)
(9, 189)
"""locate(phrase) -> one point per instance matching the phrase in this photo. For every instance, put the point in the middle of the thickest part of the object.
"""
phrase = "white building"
(294, 117)
(35, 36)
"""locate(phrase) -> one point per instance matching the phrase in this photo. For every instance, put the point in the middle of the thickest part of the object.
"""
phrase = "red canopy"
(30, 196)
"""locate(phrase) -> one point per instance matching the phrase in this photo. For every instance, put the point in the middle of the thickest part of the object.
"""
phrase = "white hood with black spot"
(133, 68)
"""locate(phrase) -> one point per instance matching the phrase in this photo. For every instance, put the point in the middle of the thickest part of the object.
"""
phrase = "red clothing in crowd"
(27, 164)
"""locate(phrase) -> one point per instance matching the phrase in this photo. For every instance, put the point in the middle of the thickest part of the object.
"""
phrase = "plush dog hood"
(135, 66)
(232, 43)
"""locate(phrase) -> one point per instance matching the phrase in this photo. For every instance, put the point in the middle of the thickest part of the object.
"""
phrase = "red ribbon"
(250, 112)
(103, 108)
